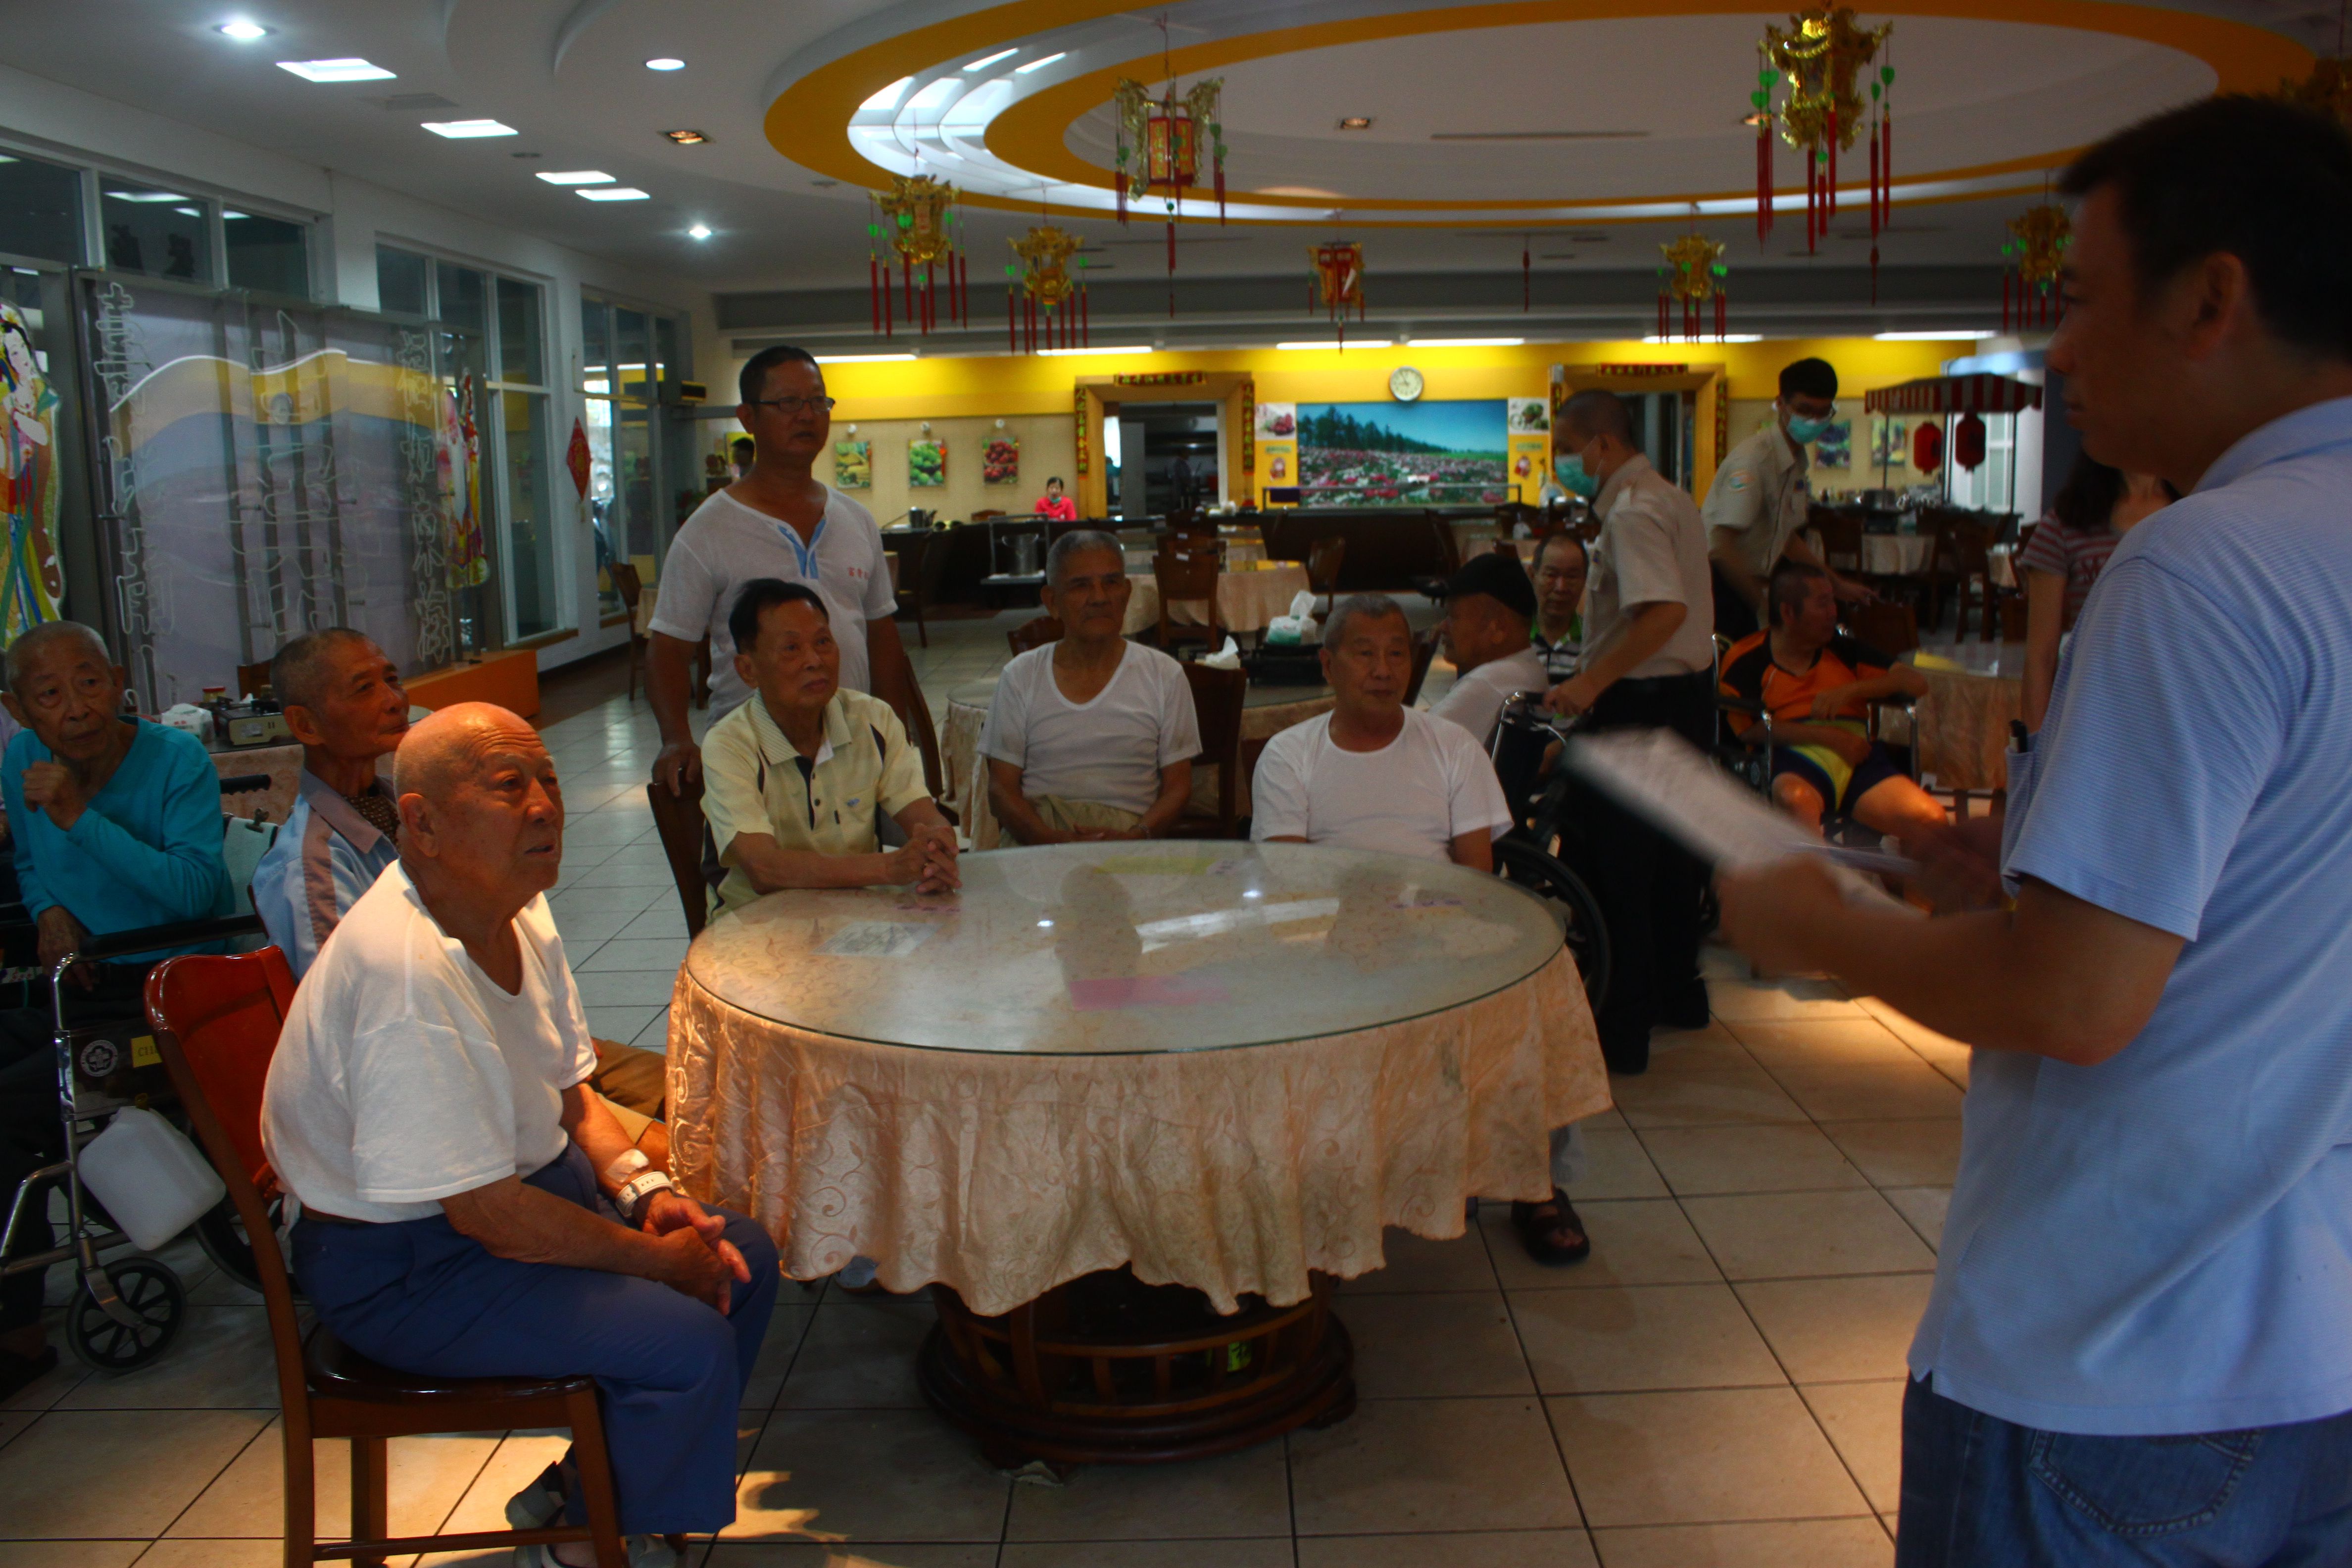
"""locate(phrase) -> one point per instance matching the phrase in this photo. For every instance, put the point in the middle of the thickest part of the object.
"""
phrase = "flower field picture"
(1409, 453)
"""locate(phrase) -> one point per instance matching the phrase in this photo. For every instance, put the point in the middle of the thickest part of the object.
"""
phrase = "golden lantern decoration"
(1824, 58)
(1160, 148)
(1338, 282)
(2033, 252)
(916, 220)
(2328, 88)
(1692, 275)
(1045, 291)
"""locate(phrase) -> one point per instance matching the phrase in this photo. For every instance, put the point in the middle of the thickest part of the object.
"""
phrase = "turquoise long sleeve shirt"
(146, 851)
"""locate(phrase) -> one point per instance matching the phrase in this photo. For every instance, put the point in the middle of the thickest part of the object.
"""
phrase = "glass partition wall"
(628, 371)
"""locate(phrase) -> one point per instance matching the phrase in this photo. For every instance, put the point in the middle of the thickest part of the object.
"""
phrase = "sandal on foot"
(1542, 1235)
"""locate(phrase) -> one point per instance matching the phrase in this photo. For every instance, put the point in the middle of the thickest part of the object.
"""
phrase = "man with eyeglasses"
(1755, 509)
(779, 520)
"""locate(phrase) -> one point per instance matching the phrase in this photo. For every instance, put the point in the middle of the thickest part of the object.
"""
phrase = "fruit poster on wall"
(927, 463)
(853, 464)
(1001, 463)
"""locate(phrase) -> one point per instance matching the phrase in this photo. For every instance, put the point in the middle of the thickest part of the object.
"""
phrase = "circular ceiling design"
(1537, 113)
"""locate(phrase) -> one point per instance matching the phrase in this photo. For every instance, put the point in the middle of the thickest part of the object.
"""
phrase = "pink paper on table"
(1142, 991)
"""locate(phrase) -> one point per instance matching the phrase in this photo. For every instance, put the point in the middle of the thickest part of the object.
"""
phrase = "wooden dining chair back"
(1034, 633)
(926, 737)
(1841, 533)
(1324, 559)
(216, 1020)
(628, 587)
(1972, 543)
(1888, 627)
(678, 819)
(1219, 697)
(1189, 576)
(932, 550)
(1425, 650)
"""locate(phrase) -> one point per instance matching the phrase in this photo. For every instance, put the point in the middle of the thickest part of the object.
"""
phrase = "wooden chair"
(1424, 649)
(1190, 577)
(1972, 542)
(1034, 634)
(216, 1021)
(629, 588)
(1841, 534)
(1218, 698)
(928, 576)
(679, 819)
(927, 741)
(1324, 559)
(1887, 626)
(252, 678)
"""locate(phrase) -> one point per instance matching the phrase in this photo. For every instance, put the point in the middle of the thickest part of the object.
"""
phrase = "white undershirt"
(1414, 796)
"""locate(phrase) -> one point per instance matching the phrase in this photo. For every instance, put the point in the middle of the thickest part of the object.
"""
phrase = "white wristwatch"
(637, 1189)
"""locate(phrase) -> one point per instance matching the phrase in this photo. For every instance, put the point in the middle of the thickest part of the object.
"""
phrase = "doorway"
(1168, 457)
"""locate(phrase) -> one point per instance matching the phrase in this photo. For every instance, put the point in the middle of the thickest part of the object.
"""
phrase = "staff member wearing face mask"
(1755, 509)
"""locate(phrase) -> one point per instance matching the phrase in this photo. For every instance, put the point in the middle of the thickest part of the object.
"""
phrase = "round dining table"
(1129, 1111)
(1267, 710)
(1247, 600)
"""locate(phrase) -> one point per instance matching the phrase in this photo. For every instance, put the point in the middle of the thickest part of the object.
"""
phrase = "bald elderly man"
(469, 1209)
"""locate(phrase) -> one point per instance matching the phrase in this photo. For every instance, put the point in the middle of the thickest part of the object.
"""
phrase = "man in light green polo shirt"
(796, 781)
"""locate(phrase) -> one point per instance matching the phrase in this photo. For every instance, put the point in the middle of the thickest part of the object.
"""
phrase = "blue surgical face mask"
(1576, 478)
(1804, 432)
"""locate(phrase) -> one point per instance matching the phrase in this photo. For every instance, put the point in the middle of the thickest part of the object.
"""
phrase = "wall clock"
(1405, 383)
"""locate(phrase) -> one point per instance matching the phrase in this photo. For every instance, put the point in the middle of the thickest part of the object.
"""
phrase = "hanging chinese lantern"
(1339, 283)
(2032, 254)
(1823, 57)
(1160, 142)
(1046, 295)
(1927, 446)
(916, 221)
(1692, 275)
(1969, 441)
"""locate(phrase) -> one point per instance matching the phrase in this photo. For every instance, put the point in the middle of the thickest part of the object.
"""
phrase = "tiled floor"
(1718, 1385)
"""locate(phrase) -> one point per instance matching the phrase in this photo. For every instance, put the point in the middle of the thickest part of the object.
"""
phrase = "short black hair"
(1560, 535)
(753, 380)
(761, 594)
(1597, 411)
(2268, 182)
(1809, 378)
(296, 668)
(1792, 583)
(741, 442)
(1053, 479)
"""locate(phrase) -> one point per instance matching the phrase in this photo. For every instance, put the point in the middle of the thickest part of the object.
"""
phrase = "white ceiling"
(570, 75)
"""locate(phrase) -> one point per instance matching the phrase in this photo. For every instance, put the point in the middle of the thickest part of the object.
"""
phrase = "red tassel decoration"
(1662, 314)
(1011, 322)
(1721, 307)
(1829, 188)
(1812, 199)
(1763, 183)
(1220, 192)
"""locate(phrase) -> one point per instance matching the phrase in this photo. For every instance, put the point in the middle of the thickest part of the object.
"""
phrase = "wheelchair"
(127, 1311)
(1533, 853)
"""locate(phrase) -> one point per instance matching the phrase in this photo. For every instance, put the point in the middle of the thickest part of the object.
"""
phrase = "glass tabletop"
(1132, 948)
(980, 694)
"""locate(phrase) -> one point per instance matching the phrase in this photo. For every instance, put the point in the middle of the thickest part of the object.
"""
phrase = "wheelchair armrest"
(1742, 705)
(178, 933)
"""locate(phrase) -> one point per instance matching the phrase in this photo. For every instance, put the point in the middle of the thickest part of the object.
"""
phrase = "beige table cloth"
(1227, 1066)
(1247, 601)
(1896, 554)
(1963, 724)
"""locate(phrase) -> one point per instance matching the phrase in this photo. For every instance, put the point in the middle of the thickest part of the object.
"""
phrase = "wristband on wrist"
(631, 1161)
(633, 1193)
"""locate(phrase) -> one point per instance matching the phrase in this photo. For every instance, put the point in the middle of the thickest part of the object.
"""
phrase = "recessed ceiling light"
(987, 60)
(145, 196)
(1360, 343)
(232, 217)
(1132, 349)
(460, 130)
(664, 63)
(1040, 65)
(189, 212)
(577, 177)
(1355, 123)
(242, 30)
(353, 70)
(613, 194)
(1955, 335)
(686, 138)
(699, 231)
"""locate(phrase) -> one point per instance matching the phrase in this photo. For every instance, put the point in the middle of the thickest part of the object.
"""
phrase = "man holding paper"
(2137, 1348)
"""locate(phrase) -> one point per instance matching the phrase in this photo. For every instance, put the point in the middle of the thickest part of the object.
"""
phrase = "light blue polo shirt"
(2162, 1243)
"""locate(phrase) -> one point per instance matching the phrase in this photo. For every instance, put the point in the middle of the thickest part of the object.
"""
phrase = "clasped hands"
(702, 1263)
(928, 860)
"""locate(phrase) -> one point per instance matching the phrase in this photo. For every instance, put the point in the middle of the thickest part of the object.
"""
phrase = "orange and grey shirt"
(1750, 673)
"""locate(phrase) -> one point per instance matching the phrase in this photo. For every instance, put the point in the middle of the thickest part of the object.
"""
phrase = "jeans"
(1981, 1493)
(419, 1297)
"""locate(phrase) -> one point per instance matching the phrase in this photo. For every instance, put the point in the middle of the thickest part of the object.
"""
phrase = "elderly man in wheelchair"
(117, 826)
(1799, 697)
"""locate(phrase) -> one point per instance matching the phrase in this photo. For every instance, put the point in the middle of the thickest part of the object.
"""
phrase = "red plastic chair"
(216, 1021)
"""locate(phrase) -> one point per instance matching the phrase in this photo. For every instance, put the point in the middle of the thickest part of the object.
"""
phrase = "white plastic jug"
(152, 1180)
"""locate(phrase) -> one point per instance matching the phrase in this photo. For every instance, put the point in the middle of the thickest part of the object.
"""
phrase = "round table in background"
(1129, 1111)
(1247, 601)
(1964, 716)
(1266, 711)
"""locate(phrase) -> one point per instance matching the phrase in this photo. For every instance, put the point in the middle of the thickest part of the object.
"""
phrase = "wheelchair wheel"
(1525, 866)
(153, 1293)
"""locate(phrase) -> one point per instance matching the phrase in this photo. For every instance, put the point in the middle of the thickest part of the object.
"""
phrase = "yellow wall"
(1048, 447)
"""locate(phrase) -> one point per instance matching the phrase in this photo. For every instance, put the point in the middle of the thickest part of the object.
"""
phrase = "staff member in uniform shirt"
(1649, 662)
(780, 521)
(1755, 509)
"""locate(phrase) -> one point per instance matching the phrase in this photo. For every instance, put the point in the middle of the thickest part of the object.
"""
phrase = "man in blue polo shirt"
(2139, 1344)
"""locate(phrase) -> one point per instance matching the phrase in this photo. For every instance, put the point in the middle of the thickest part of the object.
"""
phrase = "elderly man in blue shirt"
(2139, 1347)
(117, 824)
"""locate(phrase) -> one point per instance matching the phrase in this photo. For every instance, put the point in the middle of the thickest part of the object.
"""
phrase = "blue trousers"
(420, 1297)
(1981, 1493)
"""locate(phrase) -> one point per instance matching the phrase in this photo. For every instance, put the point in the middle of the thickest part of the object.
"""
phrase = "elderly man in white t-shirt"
(778, 521)
(1093, 736)
(469, 1209)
